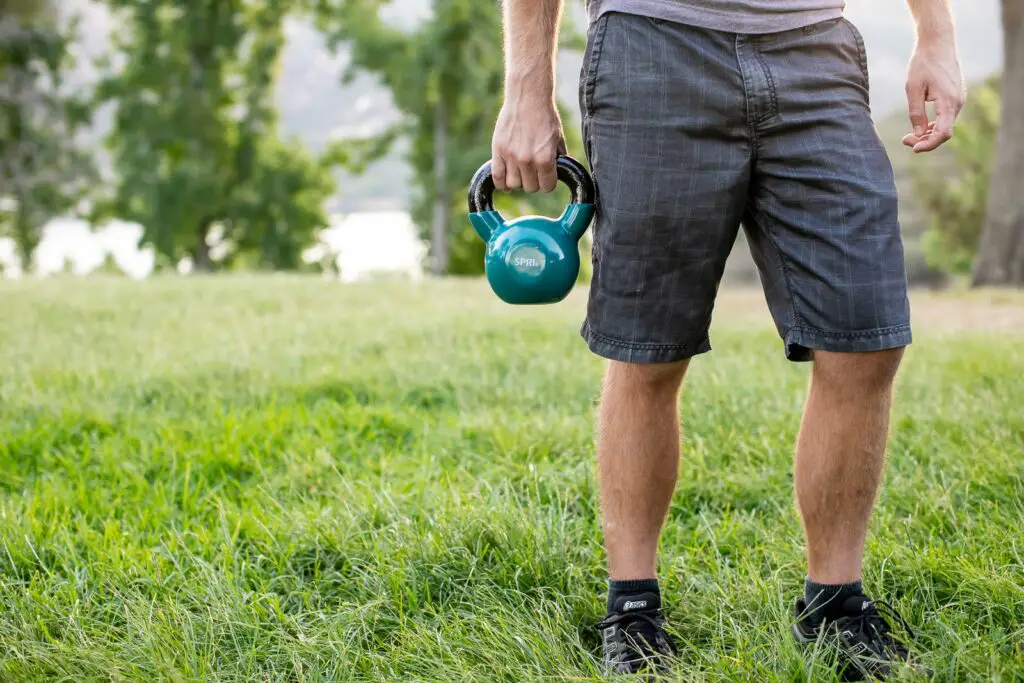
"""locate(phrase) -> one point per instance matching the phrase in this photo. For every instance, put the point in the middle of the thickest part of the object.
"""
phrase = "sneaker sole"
(800, 637)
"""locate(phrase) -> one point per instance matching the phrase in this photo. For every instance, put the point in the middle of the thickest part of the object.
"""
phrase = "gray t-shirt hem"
(681, 11)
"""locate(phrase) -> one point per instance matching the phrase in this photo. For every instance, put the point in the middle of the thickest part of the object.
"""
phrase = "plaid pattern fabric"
(691, 133)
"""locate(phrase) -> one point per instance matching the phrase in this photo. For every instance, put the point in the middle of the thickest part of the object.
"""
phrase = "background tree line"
(976, 211)
(198, 159)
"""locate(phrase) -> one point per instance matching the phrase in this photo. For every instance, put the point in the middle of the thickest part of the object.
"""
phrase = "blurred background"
(338, 136)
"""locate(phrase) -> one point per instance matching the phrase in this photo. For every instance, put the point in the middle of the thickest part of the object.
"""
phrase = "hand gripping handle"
(570, 171)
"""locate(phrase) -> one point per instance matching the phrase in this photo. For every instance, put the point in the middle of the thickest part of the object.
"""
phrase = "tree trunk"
(201, 262)
(1000, 259)
(26, 236)
(442, 202)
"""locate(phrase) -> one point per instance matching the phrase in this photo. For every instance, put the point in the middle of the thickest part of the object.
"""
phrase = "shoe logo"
(864, 605)
(634, 604)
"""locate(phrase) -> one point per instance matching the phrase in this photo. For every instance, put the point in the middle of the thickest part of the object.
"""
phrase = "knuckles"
(523, 158)
(542, 160)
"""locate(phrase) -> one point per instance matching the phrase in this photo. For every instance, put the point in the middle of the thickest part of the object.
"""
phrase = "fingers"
(547, 174)
(498, 171)
(911, 139)
(530, 175)
(539, 173)
(916, 102)
(946, 111)
(513, 178)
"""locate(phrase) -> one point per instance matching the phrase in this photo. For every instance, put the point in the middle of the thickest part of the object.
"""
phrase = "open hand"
(933, 76)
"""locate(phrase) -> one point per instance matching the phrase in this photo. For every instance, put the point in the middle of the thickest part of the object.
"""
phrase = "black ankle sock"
(824, 599)
(620, 592)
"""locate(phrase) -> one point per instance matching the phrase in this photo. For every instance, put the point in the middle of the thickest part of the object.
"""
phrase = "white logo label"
(634, 604)
(864, 605)
(527, 259)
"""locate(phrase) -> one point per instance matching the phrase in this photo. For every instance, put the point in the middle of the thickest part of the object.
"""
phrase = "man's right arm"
(528, 132)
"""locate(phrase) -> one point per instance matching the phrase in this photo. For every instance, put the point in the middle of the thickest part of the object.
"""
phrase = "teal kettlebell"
(533, 259)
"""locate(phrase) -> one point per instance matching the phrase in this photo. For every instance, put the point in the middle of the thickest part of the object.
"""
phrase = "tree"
(445, 78)
(195, 138)
(287, 190)
(954, 200)
(43, 173)
(1000, 258)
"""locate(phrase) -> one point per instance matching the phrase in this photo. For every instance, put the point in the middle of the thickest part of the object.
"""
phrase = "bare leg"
(839, 457)
(638, 461)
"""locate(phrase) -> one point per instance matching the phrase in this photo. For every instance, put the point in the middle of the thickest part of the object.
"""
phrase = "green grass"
(286, 479)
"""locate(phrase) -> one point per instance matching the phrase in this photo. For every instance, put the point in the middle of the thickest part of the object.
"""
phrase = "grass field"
(286, 479)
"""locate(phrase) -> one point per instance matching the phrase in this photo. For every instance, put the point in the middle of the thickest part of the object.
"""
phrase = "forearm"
(531, 35)
(934, 20)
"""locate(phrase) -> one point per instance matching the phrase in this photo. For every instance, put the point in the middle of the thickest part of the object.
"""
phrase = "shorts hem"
(802, 341)
(641, 353)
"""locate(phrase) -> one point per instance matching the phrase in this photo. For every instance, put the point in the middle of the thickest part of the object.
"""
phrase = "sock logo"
(634, 604)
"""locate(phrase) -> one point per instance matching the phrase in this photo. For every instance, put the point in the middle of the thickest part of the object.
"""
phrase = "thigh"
(663, 127)
(822, 221)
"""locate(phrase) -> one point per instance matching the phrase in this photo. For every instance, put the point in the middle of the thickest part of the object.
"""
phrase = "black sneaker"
(864, 637)
(633, 635)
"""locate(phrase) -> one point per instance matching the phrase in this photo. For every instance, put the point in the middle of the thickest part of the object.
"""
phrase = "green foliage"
(43, 172)
(407, 492)
(283, 204)
(36, 12)
(450, 65)
(109, 266)
(955, 204)
(195, 138)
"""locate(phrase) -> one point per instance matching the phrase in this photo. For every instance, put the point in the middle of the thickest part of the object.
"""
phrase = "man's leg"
(839, 457)
(664, 124)
(638, 461)
(823, 225)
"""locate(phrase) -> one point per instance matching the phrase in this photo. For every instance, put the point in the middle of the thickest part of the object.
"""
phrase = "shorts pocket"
(591, 62)
(862, 55)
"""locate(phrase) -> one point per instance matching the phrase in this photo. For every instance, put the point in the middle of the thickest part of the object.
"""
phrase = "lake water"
(359, 243)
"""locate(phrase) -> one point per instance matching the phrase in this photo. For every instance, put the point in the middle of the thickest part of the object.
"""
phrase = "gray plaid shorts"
(692, 132)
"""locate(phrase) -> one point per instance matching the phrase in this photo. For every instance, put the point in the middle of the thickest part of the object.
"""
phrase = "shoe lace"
(872, 626)
(648, 624)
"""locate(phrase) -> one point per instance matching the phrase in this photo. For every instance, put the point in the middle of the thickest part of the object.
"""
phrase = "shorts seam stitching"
(773, 111)
(647, 346)
(770, 225)
(593, 66)
(752, 127)
(862, 57)
(862, 334)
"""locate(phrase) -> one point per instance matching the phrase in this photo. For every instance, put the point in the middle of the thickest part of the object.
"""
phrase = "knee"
(653, 379)
(860, 372)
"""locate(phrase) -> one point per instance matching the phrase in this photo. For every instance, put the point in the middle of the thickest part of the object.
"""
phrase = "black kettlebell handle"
(570, 171)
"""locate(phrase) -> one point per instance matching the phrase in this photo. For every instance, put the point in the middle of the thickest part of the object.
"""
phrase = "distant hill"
(314, 106)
